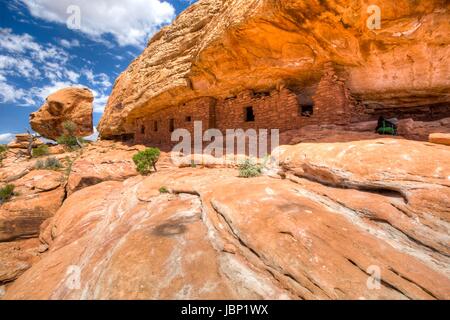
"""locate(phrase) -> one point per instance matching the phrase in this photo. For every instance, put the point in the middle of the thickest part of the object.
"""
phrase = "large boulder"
(69, 104)
(217, 48)
(359, 220)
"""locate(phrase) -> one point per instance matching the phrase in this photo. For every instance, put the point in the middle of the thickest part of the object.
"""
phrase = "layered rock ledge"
(337, 212)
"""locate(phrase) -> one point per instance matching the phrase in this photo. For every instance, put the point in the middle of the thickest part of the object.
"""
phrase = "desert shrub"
(50, 163)
(146, 160)
(248, 169)
(3, 150)
(164, 190)
(69, 138)
(69, 141)
(69, 163)
(40, 151)
(6, 192)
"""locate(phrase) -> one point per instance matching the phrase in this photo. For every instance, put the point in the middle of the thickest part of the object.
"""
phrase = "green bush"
(69, 141)
(50, 163)
(40, 151)
(146, 160)
(3, 150)
(164, 190)
(248, 169)
(6, 192)
(69, 138)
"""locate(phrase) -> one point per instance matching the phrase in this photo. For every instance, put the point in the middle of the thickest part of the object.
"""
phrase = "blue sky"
(45, 45)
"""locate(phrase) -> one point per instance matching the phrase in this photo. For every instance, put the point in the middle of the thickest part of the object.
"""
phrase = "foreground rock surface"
(69, 104)
(440, 138)
(18, 256)
(39, 194)
(342, 211)
(102, 161)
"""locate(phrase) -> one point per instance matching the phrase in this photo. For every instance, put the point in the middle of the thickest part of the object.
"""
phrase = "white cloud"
(24, 43)
(18, 66)
(49, 65)
(6, 138)
(100, 101)
(72, 75)
(131, 22)
(101, 79)
(69, 44)
(9, 93)
(17, 43)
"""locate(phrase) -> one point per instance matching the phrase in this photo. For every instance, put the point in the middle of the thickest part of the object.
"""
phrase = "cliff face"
(218, 48)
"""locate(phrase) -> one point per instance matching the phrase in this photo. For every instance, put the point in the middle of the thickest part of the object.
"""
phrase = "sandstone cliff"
(217, 48)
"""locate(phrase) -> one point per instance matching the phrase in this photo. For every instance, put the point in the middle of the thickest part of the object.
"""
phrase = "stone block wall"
(284, 110)
(157, 128)
(332, 100)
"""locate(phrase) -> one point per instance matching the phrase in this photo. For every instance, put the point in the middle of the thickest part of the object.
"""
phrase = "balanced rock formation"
(69, 104)
(218, 48)
(344, 214)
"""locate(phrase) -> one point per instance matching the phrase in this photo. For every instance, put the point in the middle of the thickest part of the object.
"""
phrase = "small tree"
(163, 190)
(69, 137)
(3, 150)
(31, 142)
(146, 160)
(6, 193)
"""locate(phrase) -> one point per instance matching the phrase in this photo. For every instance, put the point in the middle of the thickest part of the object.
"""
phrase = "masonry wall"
(156, 127)
(283, 110)
(332, 99)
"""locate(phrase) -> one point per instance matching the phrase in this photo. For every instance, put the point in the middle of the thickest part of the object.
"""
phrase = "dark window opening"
(188, 119)
(172, 125)
(306, 110)
(155, 126)
(142, 129)
(249, 114)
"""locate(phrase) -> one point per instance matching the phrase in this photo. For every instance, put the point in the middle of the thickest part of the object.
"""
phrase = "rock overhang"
(218, 48)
